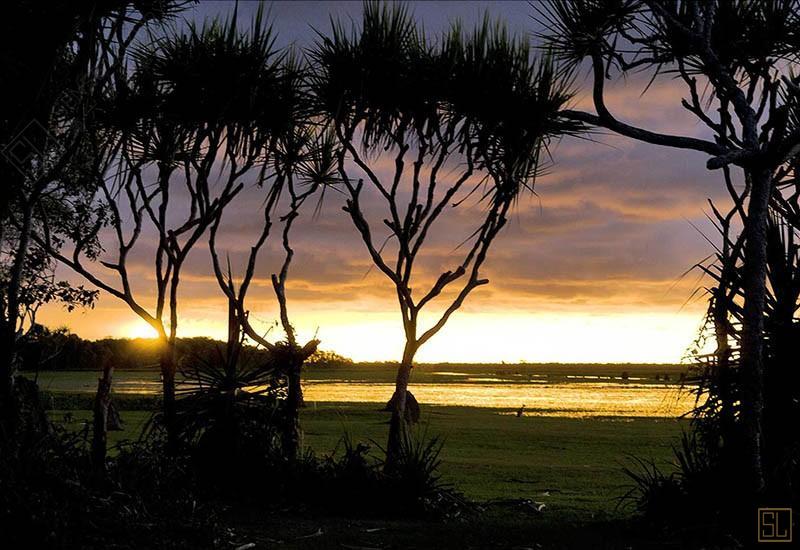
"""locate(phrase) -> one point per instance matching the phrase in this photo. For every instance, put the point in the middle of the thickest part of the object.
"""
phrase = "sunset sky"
(589, 270)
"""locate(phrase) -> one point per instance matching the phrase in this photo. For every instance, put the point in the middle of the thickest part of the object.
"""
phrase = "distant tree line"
(61, 350)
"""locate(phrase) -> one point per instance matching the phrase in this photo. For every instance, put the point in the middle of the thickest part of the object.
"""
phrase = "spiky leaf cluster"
(212, 82)
(483, 90)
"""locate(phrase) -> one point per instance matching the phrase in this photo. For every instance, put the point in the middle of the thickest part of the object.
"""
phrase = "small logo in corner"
(774, 525)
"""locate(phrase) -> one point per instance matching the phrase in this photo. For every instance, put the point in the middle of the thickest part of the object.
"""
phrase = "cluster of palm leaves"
(481, 91)
(721, 380)
(211, 82)
(222, 395)
(511, 117)
(745, 33)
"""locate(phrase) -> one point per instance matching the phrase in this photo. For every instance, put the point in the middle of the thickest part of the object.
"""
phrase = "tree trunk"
(234, 335)
(780, 379)
(7, 359)
(167, 364)
(102, 401)
(292, 435)
(397, 425)
(780, 388)
(721, 373)
(8, 412)
(752, 339)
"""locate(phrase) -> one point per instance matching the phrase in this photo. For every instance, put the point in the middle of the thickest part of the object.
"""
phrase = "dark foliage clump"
(51, 496)
(705, 485)
(693, 499)
(670, 495)
(351, 481)
(231, 413)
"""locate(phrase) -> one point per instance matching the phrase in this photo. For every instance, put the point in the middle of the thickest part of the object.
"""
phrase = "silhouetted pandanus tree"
(735, 60)
(467, 119)
(718, 417)
(57, 61)
(193, 119)
(298, 161)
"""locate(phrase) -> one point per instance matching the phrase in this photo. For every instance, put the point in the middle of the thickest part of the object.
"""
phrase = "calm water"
(573, 399)
(568, 399)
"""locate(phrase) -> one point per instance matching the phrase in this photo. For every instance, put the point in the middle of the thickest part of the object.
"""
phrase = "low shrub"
(351, 481)
(51, 496)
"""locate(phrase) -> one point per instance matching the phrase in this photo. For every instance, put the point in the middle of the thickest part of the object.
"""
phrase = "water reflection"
(588, 398)
(574, 400)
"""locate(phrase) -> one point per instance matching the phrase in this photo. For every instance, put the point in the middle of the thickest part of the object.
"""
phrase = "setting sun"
(138, 329)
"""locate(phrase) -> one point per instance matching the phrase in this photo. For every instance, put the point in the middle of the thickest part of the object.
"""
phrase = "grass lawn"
(572, 465)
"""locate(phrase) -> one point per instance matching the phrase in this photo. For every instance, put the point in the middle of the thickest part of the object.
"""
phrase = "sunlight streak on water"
(540, 397)
(571, 400)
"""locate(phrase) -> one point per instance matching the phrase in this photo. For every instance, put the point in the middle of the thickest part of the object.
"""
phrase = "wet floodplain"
(556, 390)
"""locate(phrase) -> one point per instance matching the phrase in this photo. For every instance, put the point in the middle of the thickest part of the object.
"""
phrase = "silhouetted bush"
(51, 497)
(693, 493)
(655, 494)
(230, 417)
(351, 481)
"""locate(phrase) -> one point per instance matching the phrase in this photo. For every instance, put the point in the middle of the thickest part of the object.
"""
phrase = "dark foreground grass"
(572, 465)
(494, 528)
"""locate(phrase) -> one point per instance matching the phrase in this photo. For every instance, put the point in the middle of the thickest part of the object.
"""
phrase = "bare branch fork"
(125, 203)
(238, 294)
(411, 218)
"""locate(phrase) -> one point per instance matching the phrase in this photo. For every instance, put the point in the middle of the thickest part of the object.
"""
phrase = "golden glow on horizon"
(138, 329)
(571, 337)
(494, 337)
